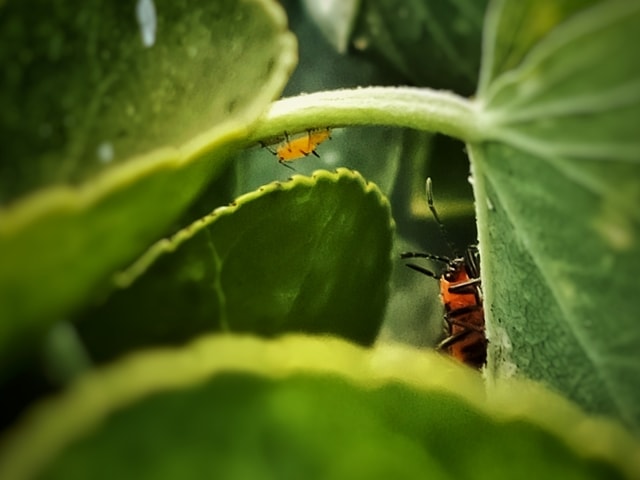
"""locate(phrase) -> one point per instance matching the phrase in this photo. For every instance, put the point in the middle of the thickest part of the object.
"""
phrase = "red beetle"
(461, 294)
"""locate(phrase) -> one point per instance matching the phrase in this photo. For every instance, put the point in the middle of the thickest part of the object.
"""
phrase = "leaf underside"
(312, 254)
(557, 194)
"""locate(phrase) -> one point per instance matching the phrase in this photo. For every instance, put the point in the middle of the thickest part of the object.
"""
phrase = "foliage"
(189, 339)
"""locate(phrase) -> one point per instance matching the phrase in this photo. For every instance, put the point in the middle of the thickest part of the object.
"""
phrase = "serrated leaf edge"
(126, 277)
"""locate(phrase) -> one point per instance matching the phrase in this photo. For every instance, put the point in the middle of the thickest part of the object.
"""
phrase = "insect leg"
(430, 256)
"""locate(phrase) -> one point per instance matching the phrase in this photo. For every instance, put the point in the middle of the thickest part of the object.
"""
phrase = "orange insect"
(461, 294)
(300, 146)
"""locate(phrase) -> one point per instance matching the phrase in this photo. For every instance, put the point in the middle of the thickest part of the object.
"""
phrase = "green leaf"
(83, 91)
(431, 43)
(512, 28)
(303, 407)
(312, 254)
(335, 19)
(557, 190)
(81, 77)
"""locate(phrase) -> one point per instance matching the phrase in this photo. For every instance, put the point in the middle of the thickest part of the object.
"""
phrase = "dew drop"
(361, 43)
(146, 16)
(490, 206)
(105, 152)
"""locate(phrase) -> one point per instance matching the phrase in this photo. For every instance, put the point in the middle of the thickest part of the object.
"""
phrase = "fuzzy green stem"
(418, 108)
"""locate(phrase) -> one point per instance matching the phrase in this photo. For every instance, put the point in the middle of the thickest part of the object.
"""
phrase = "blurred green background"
(398, 160)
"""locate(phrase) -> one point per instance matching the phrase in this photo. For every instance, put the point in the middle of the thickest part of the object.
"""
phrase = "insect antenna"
(434, 212)
(443, 231)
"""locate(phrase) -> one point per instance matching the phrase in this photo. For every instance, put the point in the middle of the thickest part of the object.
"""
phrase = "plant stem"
(419, 108)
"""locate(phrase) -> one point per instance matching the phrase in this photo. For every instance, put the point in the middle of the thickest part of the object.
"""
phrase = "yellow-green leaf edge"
(23, 223)
(57, 422)
(167, 245)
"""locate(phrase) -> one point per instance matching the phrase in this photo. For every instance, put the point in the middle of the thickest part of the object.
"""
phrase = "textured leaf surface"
(92, 85)
(140, 129)
(312, 254)
(432, 44)
(301, 407)
(558, 187)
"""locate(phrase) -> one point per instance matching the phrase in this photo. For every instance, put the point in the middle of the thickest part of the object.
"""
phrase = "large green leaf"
(301, 407)
(133, 129)
(430, 43)
(85, 88)
(312, 254)
(558, 184)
